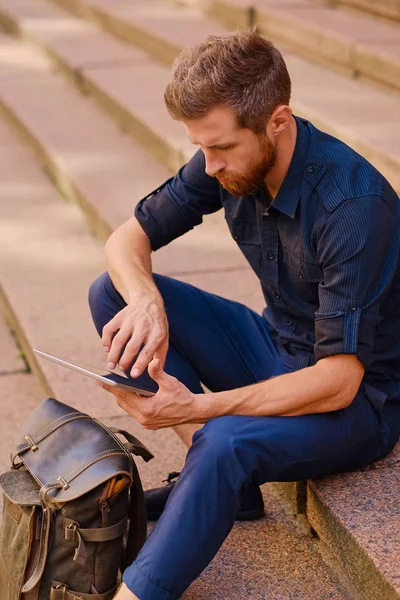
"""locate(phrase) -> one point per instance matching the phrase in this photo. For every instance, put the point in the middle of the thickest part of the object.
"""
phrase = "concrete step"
(156, 26)
(357, 43)
(356, 516)
(133, 93)
(20, 392)
(388, 9)
(47, 261)
(12, 361)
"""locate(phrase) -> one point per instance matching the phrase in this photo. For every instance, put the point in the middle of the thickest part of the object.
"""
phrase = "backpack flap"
(69, 453)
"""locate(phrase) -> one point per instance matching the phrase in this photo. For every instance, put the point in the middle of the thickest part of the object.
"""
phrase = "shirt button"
(271, 256)
(301, 275)
(310, 168)
(353, 308)
(289, 323)
(277, 296)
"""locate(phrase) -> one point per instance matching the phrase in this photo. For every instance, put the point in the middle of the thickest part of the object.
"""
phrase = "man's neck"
(286, 146)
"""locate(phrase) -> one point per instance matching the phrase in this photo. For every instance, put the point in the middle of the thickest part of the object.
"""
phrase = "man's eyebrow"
(217, 146)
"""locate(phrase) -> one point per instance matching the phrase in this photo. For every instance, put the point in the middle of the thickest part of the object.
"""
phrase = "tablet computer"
(104, 375)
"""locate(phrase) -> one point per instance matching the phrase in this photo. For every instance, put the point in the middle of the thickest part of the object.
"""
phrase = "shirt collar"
(288, 196)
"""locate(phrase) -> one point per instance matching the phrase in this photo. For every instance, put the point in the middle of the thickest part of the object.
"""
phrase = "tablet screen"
(144, 381)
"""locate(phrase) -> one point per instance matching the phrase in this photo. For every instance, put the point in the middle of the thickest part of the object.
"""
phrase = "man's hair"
(241, 70)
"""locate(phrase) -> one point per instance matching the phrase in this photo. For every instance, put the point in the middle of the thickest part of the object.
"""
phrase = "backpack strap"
(137, 521)
(60, 591)
(73, 532)
(44, 539)
(134, 445)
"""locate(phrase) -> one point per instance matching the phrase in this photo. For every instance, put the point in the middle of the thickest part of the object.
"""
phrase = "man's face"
(237, 157)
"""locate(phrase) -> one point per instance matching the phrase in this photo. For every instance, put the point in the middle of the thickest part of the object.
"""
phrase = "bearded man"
(311, 386)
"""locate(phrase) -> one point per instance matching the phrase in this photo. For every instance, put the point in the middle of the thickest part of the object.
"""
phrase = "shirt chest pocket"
(246, 235)
(303, 275)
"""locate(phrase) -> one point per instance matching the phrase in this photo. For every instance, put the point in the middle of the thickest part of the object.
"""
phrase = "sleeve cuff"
(352, 332)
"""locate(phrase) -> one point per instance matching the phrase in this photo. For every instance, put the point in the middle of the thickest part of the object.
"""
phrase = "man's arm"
(168, 212)
(143, 320)
(329, 385)
(128, 257)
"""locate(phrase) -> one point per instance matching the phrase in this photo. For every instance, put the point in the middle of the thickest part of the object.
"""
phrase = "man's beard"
(253, 178)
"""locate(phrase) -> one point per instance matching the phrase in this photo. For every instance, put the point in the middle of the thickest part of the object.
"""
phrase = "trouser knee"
(219, 446)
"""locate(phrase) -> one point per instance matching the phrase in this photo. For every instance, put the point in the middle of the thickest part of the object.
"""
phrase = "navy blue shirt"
(326, 251)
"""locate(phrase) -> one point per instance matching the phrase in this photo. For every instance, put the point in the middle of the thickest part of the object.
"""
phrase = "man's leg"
(225, 455)
(226, 345)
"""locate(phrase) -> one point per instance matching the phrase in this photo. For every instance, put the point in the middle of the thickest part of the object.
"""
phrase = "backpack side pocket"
(16, 537)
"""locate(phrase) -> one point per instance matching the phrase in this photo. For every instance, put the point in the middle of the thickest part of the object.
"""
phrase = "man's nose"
(214, 165)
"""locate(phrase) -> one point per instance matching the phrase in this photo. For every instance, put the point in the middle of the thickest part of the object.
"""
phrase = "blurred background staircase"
(84, 135)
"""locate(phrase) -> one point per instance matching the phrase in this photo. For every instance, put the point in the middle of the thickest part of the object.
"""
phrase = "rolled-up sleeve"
(358, 249)
(179, 204)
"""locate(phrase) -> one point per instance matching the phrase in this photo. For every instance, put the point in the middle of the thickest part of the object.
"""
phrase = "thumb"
(156, 371)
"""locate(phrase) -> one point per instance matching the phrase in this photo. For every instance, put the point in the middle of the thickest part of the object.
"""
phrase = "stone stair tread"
(146, 91)
(336, 103)
(84, 148)
(20, 393)
(47, 262)
(325, 33)
(384, 8)
(74, 39)
(350, 110)
(52, 245)
(71, 37)
(285, 563)
(352, 26)
(158, 17)
(370, 530)
(11, 361)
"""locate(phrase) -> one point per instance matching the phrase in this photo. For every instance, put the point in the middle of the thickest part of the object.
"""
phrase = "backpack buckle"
(63, 482)
(56, 588)
(32, 443)
(70, 531)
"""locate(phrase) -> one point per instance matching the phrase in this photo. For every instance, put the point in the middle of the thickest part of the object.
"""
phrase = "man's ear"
(279, 121)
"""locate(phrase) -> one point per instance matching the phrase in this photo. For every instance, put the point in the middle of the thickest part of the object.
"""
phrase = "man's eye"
(226, 147)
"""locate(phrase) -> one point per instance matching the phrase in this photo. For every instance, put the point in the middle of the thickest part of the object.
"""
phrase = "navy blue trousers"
(225, 345)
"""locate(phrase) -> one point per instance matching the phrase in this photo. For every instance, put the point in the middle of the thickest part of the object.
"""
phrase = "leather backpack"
(74, 514)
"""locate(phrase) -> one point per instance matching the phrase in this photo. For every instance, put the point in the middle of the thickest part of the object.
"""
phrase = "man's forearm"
(329, 385)
(128, 257)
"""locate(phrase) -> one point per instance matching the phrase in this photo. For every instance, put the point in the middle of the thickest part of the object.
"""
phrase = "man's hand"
(125, 594)
(173, 404)
(143, 320)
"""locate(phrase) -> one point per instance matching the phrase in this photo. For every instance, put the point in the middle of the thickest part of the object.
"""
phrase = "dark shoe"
(251, 501)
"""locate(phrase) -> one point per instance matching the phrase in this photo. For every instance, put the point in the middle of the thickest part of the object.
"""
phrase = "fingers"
(130, 402)
(132, 328)
(153, 343)
(132, 348)
(117, 346)
(108, 331)
(162, 351)
(108, 388)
